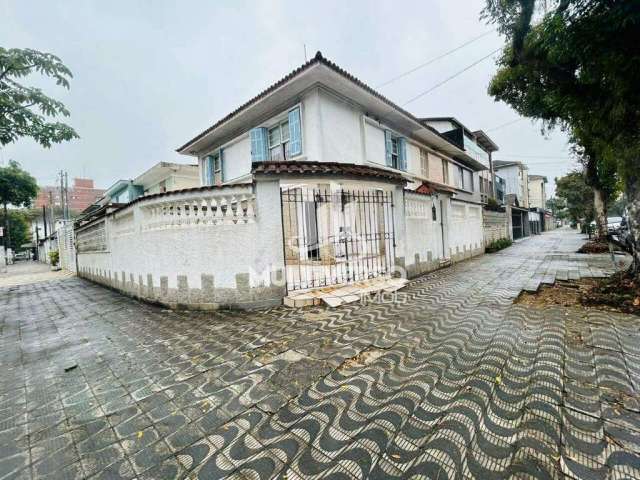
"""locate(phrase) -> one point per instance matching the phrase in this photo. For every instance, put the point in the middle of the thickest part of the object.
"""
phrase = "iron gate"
(334, 237)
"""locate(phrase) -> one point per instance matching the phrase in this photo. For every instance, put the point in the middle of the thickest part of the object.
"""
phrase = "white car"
(613, 225)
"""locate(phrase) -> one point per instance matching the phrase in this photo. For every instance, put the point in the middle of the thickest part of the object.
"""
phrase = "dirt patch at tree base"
(594, 247)
(618, 293)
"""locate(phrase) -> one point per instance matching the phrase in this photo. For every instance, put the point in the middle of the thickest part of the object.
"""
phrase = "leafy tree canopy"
(17, 186)
(558, 206)
(574, 64)
(577, 197)
(26, 111)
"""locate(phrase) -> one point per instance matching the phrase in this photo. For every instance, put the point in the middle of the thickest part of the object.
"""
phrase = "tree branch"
(21, 107)
(10, 69)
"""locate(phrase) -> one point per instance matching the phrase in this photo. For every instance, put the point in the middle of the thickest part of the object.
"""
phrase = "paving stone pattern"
(452, 381)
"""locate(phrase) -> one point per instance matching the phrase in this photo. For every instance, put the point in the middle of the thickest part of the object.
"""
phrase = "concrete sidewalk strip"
(449, 380)
(27, 272)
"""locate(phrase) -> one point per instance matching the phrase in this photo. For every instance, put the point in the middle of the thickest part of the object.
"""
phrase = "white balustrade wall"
(204, 247)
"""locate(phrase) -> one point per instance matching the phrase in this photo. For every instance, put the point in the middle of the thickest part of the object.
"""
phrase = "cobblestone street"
(453, 380)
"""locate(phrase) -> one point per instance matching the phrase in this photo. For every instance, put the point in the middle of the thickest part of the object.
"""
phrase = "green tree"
(20, 232)
(600, 174)
(558, 207)
(576, 64)
(17, 188)
(26, 111)
(577, 197)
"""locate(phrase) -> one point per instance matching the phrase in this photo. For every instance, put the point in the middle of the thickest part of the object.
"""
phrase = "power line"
(531, 156)
(434, 59)
(505, 124)
(420, 95)
(535, 164)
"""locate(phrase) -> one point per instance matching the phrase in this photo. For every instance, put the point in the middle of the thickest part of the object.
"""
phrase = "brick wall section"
(496, 225)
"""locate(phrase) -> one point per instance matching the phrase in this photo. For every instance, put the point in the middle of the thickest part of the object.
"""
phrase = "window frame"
(282, 144)
(395, 155)
(424, 163)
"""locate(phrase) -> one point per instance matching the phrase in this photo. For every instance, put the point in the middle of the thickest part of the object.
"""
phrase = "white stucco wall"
(466, 230)
(423, 234)
(341, 130)
(511, 179)
(441, 125)
(516, 182)
(537, 194)
(192, 250)
(374, 143)
(237, 159)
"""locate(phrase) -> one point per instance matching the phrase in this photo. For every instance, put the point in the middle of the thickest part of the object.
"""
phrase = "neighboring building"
(474, 181)
(162, 177)
(500, 188)
(318, 180)
(82, 193)
(537, 192)
(516, 180)
(488, 180)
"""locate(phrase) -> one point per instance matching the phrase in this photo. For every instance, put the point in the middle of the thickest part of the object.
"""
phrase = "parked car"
(21, 256)
(613, 225)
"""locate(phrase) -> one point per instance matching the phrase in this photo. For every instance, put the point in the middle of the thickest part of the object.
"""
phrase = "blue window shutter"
(295, 133)
(259, 145)
(388, 148)
(203, 172)
(402, 153)
(209, 170)
(221, 165)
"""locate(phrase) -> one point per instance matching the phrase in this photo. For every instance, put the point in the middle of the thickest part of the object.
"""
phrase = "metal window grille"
(335, 237)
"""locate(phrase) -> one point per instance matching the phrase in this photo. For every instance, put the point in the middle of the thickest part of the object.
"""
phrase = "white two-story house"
(318, 180)
(321, 131)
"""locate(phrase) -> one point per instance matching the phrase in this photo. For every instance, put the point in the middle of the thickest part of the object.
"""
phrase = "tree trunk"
(632, 190)
(600, 211)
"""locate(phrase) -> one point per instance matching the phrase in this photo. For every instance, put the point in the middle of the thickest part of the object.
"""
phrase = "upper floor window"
(424, 163)
(458, 179)
(445, 172)
(396, 151)
(213, 168)
(463, 178)
(279, 141)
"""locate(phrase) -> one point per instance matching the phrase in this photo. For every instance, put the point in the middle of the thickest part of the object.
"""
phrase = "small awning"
(306, 168)
(429, 188)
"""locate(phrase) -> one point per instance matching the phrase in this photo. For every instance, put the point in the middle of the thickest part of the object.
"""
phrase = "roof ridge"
(317, 59)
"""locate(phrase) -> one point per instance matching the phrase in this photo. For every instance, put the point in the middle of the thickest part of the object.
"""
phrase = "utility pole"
(51, 210)
(66, 195)
(44, 219)
(38, 241)
(61, 195)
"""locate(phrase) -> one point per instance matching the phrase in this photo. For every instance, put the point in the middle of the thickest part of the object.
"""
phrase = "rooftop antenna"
(305, 52)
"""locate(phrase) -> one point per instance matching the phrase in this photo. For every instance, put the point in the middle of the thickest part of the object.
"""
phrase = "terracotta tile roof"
(324, 168)
(428, 188)
(318, 58)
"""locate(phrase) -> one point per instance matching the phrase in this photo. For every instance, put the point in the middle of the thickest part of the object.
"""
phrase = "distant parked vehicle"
(613, 225)
(21, 256)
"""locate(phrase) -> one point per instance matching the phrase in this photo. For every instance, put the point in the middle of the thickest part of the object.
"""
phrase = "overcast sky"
(150, 75)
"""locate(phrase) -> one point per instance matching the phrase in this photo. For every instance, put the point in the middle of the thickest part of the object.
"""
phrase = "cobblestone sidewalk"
(451, 381)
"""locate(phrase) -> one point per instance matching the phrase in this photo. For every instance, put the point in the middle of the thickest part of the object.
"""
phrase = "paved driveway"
(451, 381)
